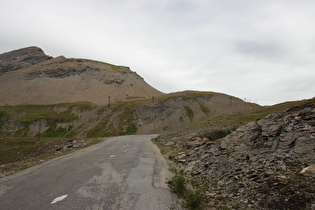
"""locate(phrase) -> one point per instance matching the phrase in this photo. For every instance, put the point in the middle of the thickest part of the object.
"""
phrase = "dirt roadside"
(46, 152)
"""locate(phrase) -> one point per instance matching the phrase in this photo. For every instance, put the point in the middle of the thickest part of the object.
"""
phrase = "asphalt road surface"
(126, 172)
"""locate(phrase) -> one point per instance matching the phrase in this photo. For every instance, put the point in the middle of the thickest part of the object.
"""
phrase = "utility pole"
(39, 130)
(153, 114)
(108, 101)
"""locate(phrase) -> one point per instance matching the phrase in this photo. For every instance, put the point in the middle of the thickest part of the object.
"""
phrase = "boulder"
(308, 171)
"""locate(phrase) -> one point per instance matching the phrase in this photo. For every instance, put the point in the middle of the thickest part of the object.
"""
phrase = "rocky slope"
(28, 76)
(266, 164)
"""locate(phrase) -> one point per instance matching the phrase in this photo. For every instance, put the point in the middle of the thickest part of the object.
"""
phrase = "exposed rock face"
(28, 76)
(175, 112)
(258, 165)
(21, 58)
(289, 135)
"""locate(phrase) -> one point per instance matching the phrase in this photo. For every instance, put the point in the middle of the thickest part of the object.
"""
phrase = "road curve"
(125, 172)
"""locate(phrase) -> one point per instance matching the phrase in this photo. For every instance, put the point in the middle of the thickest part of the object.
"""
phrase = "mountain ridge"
(28, 76)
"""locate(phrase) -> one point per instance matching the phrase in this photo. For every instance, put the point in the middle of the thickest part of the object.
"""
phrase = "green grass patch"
(14, 149)
(72, 131)
(203, 108)
(53, 131)
(26, 115)
(189, 112)
(95, 132)
(184, 95)
(79, 104)
(134, 97)
(193, 200)
(29, 113)
(214, 135)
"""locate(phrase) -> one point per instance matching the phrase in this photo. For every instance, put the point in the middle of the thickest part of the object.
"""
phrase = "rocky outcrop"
(62, 67)
(308, 171)
(22, 58)
(267, 164)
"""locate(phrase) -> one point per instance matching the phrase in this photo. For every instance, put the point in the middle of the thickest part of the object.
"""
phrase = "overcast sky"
(263, 51)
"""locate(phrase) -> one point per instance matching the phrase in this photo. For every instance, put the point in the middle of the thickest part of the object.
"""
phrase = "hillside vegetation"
(84, 119)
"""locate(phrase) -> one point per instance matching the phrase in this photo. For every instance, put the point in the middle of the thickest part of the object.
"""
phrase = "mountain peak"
(21, 58)
(29, 76)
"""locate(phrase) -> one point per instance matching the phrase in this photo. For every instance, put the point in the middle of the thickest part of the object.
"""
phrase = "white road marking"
(58, 199)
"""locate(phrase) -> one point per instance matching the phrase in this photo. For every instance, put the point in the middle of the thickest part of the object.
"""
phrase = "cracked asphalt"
(125, 172)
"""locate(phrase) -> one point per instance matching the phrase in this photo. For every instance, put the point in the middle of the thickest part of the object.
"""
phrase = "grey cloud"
(260, 49)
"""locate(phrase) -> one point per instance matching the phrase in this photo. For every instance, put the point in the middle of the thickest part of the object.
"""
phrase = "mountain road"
(126, 172)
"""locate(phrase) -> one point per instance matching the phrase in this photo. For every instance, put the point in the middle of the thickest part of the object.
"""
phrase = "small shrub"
(177, 184)
(131, 129)
(194, 200)
(171, 157)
